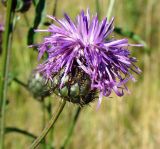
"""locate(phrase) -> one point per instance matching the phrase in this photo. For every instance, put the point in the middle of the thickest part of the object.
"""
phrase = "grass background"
(130, 122)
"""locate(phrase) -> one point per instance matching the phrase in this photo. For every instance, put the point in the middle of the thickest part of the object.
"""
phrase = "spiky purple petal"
(84, 43)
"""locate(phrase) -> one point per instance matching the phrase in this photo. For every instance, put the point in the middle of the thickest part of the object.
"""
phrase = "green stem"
(20, 83)
(5, 65)
(49, 126)
(70, 132)
(17, 130)
(23, 132)
(110, 8)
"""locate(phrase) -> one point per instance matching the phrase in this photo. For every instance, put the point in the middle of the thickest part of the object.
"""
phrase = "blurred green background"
(130, 122)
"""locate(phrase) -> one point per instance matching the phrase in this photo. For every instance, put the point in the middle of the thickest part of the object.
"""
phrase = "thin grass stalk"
(71, 129)
(5, 66)
(110, 9)
(98, 8)
(55, 7)
(50, 124)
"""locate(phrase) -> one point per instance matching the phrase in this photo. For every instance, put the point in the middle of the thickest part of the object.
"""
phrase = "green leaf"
(17, 130)
(39, 9)
(24, 132)
(131, 35)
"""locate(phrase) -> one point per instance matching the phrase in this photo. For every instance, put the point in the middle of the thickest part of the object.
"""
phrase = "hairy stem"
(49, 125)
(5, 65)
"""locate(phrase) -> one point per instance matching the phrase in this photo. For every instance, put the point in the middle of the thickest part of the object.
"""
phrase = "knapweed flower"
(86, 47)
(1, 31)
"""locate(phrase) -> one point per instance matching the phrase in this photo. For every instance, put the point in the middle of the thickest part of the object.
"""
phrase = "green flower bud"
(38, 87)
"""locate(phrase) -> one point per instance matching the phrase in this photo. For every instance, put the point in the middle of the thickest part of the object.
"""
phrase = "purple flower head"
(88, 45)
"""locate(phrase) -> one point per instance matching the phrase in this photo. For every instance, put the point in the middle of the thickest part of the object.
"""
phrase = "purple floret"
(1, 27)
(88, 43)
(1, 31)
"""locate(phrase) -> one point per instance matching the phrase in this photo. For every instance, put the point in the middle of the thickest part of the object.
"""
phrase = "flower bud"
(38, 86)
